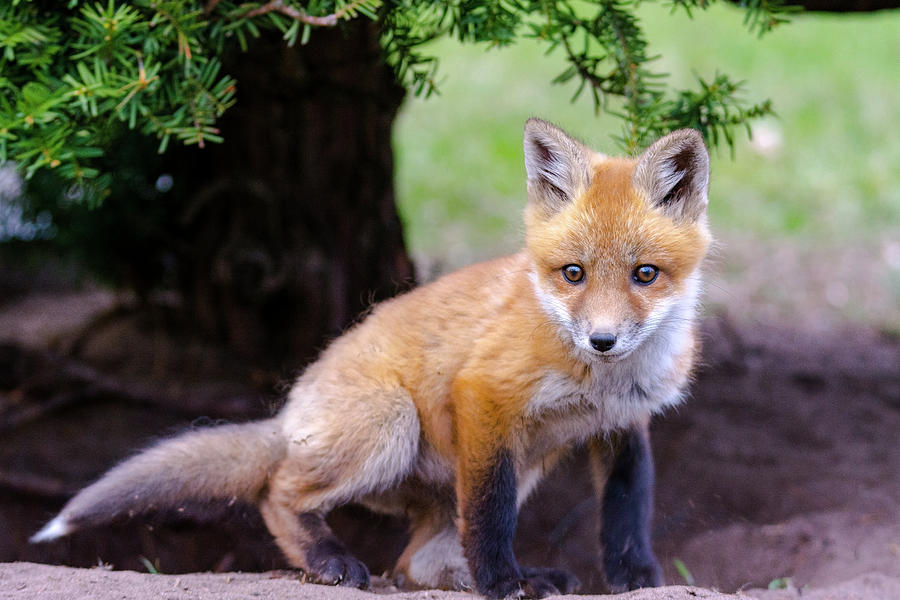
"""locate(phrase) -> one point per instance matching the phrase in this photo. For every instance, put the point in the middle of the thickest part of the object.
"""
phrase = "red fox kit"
(449, 403)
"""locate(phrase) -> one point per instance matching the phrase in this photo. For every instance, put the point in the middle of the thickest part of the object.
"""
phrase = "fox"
(449, 403)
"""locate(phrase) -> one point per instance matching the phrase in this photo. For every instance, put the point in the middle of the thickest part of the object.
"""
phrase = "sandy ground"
(19, 581)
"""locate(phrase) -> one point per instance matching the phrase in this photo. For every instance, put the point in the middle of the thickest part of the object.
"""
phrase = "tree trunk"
(276, 240)
(289, 229)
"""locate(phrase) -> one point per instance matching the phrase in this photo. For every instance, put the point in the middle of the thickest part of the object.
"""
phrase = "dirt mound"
(783, 463)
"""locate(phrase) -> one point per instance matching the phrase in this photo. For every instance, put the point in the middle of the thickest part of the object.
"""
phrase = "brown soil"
(784, 465)
(20, 581)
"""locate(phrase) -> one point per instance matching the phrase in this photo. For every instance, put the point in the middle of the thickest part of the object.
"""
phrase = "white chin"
(610, 357)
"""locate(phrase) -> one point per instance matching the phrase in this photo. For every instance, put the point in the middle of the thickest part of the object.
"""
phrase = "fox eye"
(645, 274)
(573, 273)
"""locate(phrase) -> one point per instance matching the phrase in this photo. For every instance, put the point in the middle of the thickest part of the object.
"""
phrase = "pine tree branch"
(61, 95)
(289, 11)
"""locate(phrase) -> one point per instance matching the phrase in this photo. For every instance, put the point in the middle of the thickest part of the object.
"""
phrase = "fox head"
(616, 243)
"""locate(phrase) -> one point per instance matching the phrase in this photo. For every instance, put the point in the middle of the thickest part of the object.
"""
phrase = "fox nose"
(602, 342)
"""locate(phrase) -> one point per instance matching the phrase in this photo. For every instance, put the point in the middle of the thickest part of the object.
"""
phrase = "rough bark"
(289, 229)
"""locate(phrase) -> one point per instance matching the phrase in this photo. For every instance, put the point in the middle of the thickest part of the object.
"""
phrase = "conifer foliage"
(74, 72)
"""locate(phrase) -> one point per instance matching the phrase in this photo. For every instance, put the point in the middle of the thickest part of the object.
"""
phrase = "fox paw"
(338, 568)
(634, 575)
(563, 580)
(533, 586)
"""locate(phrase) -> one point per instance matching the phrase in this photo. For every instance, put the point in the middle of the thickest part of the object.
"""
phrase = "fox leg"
(308, 543)
(488, 512)
(336, 454)
(487, 491)
(623, 476)
(434, 557)
(488, 515)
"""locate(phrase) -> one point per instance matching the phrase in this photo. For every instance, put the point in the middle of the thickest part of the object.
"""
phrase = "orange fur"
(407, 410)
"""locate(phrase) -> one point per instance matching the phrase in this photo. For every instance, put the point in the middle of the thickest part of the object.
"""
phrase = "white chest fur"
(623, 393)
(618, 394)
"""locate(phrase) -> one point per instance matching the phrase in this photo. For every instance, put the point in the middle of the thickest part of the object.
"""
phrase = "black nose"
(602, 341)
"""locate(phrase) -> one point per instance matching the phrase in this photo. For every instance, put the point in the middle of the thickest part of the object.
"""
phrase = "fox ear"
(558, 166)
(674, 173)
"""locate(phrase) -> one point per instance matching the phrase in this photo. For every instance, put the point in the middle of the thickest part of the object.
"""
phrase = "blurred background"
(807, 212)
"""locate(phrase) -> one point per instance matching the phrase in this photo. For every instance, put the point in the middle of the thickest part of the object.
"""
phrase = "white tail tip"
(56, 528)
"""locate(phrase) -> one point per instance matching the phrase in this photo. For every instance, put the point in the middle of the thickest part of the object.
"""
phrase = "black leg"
(490, 515)
(327, 560)
(628, 559)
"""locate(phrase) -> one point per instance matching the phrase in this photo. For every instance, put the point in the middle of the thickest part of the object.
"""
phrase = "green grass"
(782, 583)
(833, 177)
(152, 568)
(684, 572)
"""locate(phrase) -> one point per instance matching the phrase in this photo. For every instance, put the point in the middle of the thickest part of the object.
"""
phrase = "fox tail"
(230, 462)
